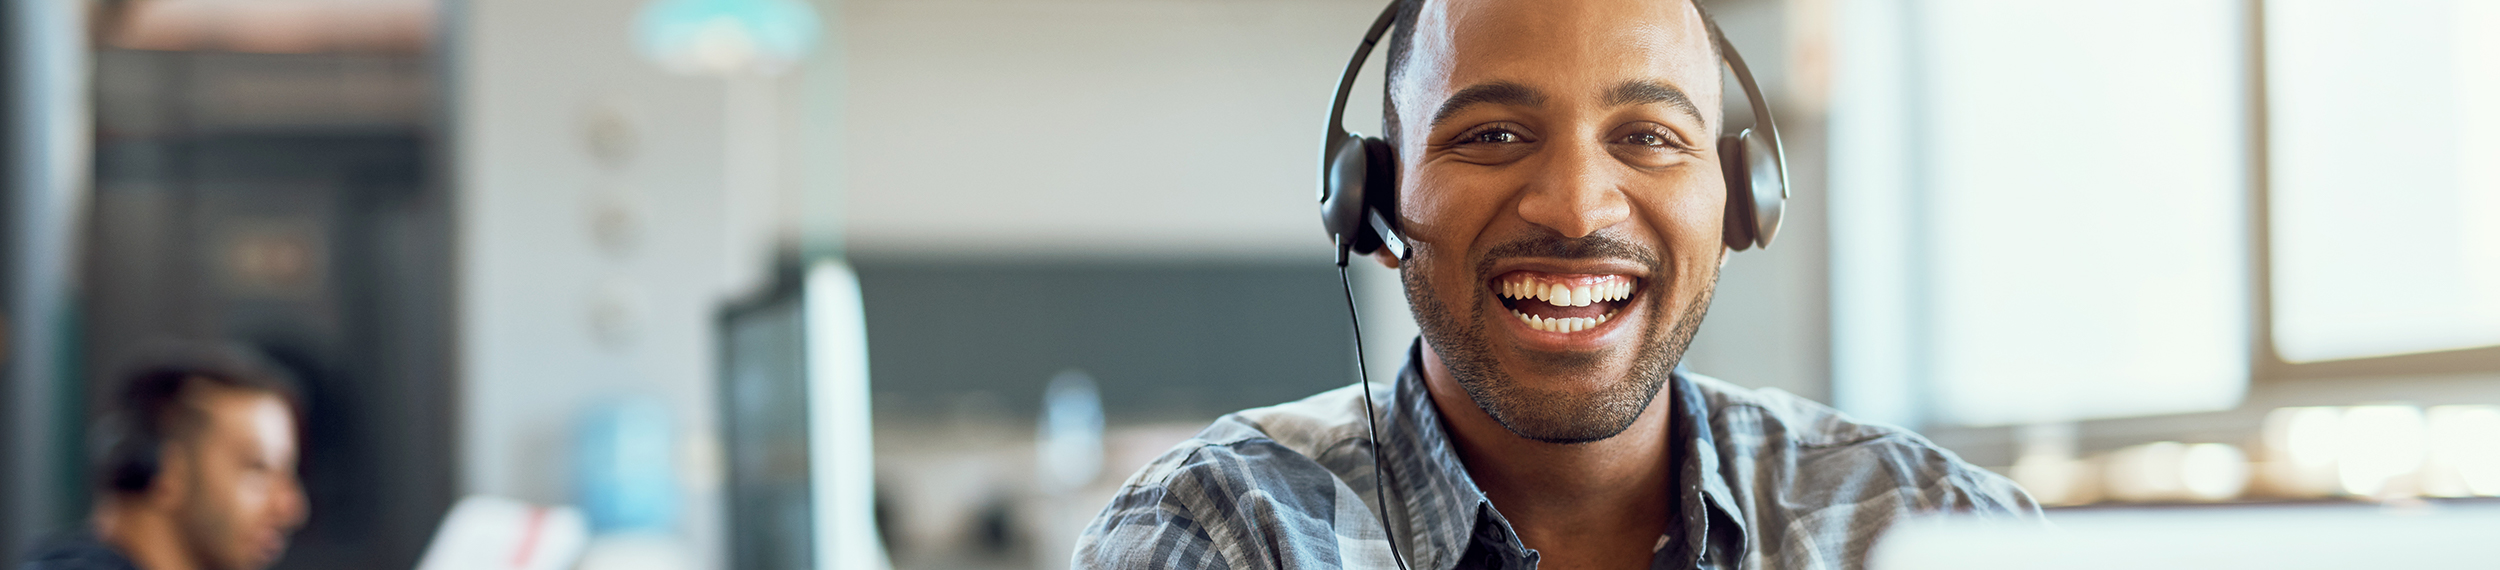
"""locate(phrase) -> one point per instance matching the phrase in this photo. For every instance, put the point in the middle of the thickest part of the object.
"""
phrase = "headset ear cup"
(1737, 230)
(1380, 189)
(1345, 194)
(1768, 177)
(131, 459)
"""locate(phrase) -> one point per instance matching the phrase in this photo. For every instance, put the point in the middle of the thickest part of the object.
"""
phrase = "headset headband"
(1753, 93)
(1345, 84)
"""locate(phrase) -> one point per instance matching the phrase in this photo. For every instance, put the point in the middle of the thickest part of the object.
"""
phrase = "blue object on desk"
(623, 472)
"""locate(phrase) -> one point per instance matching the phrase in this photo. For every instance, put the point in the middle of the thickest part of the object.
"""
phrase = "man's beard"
(1555, 416)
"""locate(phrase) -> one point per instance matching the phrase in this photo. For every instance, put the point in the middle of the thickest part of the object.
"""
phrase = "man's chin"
(1576, 394)
(1566, 409)
(260, 557)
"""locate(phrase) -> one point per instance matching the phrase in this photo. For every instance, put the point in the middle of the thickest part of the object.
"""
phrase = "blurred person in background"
(198, 473)
(1559, 179)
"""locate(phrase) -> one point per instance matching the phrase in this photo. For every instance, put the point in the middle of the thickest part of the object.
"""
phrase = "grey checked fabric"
(1770, 480)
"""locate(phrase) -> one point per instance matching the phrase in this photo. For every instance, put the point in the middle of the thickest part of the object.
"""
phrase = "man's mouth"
(1564, 303)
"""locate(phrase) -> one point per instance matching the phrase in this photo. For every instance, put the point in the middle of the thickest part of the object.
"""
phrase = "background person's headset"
(1358, 200)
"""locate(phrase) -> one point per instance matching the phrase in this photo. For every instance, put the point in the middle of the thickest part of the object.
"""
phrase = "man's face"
(1560, 146)
(242, 496)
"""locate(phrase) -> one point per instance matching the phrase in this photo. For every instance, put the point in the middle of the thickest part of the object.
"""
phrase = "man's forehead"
(1590, 44)
(247, 416)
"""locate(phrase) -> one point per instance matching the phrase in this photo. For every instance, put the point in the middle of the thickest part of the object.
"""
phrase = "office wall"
(1113, 127)
(597, 242)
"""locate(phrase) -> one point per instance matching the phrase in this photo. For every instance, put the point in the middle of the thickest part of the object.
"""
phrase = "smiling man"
(1559, 185)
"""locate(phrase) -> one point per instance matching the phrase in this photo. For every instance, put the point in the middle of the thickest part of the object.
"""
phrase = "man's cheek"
(1437, 211)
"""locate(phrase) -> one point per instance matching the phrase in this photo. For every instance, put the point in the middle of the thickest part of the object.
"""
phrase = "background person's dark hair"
(152, 409)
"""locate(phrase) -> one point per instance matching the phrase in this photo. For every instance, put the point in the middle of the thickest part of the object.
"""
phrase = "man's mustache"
(1550, 245)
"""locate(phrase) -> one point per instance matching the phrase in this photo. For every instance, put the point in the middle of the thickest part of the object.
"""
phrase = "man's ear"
(1386, 260)
(177, 469)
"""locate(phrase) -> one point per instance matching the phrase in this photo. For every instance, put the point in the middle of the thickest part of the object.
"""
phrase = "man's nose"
(292, 505)
(1576, 191)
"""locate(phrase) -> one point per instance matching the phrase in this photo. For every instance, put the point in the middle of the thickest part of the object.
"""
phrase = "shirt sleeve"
(1911, 478)
(1249, 504)
(1143, 528)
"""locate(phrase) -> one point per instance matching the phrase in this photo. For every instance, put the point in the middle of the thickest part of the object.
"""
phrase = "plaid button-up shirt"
(1768, 480)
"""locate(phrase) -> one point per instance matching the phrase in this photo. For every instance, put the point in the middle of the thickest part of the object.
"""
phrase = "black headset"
(1358, 201)
(131, 453)
(1358, 188)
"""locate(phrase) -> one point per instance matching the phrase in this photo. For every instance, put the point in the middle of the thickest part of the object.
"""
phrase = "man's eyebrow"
(1646, 92)
(1495, 93)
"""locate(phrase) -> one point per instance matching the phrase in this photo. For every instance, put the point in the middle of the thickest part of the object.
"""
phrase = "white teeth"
(1562, 324)
(1562, 295)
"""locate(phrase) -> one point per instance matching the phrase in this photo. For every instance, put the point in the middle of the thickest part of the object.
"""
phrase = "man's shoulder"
(1813, 450)
(1301, 434)
(1772, 412)
(75, 550)
(1260, 488)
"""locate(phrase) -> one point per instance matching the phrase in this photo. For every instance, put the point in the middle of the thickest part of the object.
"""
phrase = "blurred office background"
(2138, 252)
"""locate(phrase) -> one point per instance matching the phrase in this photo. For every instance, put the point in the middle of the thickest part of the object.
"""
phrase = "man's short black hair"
(1401, 45)
(153, 408)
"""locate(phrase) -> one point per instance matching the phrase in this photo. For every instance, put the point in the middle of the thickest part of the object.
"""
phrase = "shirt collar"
(1441, 512)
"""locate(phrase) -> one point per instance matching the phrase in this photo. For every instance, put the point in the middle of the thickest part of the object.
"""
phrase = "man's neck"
(149, 538)
(1600, 504)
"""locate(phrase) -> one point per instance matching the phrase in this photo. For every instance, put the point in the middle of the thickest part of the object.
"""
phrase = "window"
(2384, 130)
(2049, 212)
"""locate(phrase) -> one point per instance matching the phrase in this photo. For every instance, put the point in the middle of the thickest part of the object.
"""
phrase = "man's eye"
(1495, 137)
(1646, 139)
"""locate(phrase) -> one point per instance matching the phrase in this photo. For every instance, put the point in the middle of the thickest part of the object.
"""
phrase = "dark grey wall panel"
(1163, 340)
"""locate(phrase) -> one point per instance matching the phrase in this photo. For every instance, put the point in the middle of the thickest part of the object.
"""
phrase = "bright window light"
(2385, 134)
(2061, 211)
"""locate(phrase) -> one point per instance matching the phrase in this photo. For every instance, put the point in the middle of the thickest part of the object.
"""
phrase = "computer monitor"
(794, 381)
